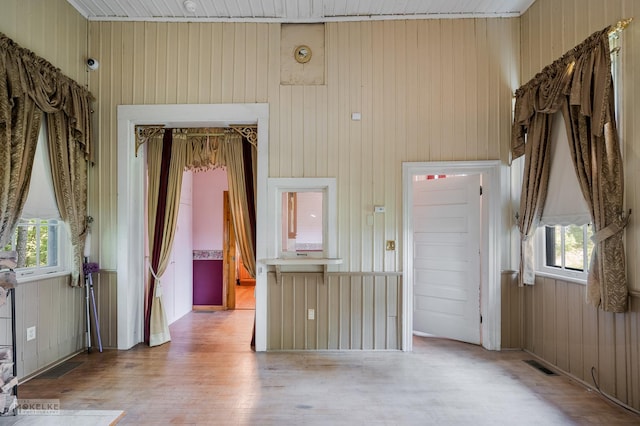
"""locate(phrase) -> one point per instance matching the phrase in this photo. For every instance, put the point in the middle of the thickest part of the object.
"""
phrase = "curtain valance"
(24, 73)
(583, 74)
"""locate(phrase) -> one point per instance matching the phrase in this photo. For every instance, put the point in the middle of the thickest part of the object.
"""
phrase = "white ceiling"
(295, 10)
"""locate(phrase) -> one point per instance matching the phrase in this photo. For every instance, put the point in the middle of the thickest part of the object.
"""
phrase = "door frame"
(130, 218)
(228, 255)
(492, 229)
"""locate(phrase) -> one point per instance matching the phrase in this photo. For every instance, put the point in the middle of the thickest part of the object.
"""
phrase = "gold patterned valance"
(145, 132)
(203, 146)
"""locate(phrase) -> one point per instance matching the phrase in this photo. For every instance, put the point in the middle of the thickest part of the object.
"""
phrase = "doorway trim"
(131, 188)
(490, 233)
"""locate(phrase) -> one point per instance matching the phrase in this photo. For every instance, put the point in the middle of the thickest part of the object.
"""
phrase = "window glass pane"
(30, 245)
(36, 243)
(553, 238)
(574, 247)
(44, 240)
(589, 242)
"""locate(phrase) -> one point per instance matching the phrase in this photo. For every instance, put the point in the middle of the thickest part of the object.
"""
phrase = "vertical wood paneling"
(105, 289)
(344, 325)
(57, 312)
(352, 311)
(549, 308)
(633, 361)
(583, 337)
(512, 312)
(562, 327)
(380, 313)
(52, 29)
(575, 307)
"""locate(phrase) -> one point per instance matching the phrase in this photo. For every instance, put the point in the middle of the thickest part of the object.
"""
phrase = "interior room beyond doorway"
(198, 277)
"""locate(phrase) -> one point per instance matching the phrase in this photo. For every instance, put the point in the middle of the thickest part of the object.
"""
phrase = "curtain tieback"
(611, 230)
(157, 290)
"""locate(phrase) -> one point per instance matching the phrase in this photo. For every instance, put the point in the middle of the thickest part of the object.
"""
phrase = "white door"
(446, 257)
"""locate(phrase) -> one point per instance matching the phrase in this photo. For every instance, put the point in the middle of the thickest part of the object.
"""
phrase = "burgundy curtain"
(158, 232)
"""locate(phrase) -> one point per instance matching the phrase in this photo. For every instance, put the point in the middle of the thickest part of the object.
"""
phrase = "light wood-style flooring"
(208, 375)
(245, 297)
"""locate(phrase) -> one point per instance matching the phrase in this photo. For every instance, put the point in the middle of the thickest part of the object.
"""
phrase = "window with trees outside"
(37, 242)
(565, 250)
(40, 239)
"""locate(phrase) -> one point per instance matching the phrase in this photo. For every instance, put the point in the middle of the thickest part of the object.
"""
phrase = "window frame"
(559, 272)
(32, 273)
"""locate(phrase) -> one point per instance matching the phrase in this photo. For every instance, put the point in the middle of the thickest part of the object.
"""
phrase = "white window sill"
(562, 277)
(40, 277)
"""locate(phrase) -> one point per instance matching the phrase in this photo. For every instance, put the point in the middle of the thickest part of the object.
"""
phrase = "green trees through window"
(568, 247)
(36, 242)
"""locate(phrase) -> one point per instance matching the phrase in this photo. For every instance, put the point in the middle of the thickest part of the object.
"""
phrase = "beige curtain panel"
(239, 199)
(29, 85)
(580, 85)
(164, 233)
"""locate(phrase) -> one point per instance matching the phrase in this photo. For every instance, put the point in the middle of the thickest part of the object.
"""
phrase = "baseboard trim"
(208, 308)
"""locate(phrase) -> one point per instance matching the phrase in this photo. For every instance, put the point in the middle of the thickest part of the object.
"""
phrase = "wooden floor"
(208, 375)
(245, 297)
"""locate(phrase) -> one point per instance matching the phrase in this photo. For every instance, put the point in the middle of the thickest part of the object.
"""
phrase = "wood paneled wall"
(562, 329)
(427, 90)
(351, 311)
(56, 310)
(52, 29)
(512, 304)
(106, 291)
(558, 325)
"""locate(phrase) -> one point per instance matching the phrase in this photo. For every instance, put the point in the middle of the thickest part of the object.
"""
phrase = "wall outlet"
(311, 314)
(31, 333)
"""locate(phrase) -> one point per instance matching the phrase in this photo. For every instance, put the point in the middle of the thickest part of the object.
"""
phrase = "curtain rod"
(205, 134)
(620, 26)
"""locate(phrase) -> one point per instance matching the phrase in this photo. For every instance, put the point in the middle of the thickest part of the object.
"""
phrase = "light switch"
(391, 245)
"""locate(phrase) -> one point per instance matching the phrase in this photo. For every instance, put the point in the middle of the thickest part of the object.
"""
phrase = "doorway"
(490, 233)
(130, 224)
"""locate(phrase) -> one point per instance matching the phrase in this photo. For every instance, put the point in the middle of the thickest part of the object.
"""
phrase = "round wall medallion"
(302, 54)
